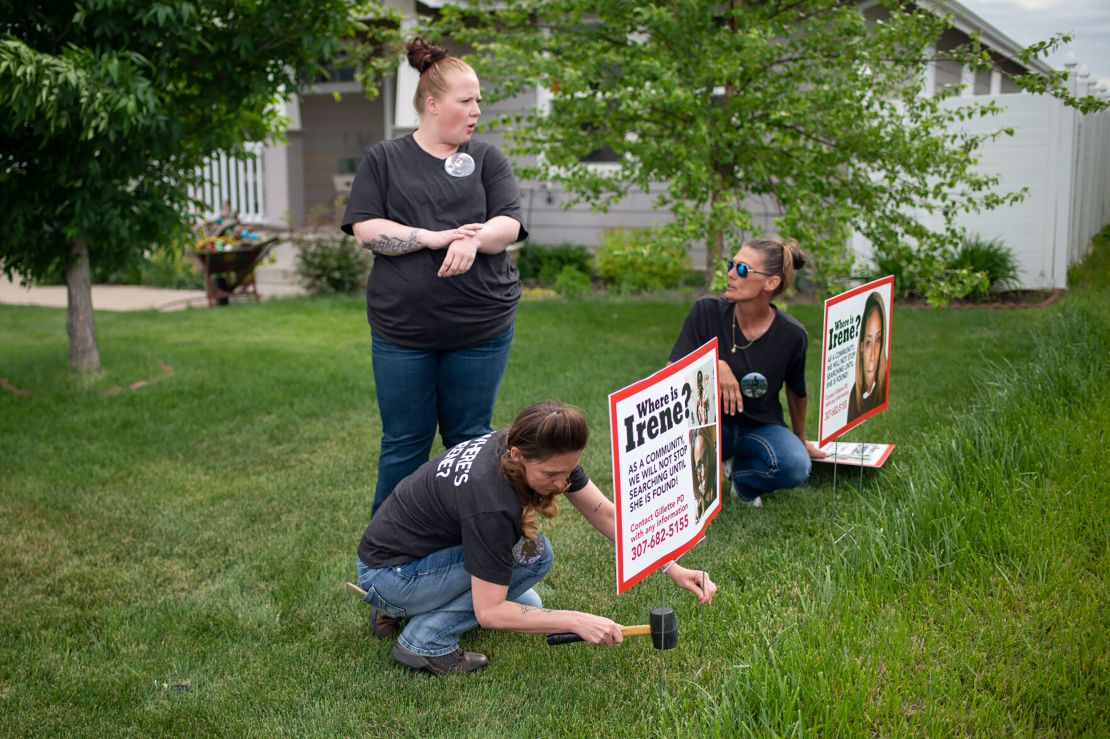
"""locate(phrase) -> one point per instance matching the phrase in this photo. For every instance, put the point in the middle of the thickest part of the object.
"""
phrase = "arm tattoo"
(525, 609)
(598, 506)
(393, 246)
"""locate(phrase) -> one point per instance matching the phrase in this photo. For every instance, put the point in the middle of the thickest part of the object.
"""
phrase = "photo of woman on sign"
(703, 446)
(869, 391)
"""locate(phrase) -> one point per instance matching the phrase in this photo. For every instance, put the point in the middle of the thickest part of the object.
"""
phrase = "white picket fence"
(1090, 181)
(238, 181)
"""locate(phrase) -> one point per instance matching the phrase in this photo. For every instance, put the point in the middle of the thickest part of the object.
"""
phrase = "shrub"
(162, 266)
(641, 261)
(694, 278)
(933, 275)
(101, 274)
(331, 263)
(909, 269)
(172, 269)
(540, 264)
(991, 258)
(955, 284)
(572, 282)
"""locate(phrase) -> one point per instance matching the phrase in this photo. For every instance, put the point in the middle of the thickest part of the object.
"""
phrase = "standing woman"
(438, 210)
(761, 349)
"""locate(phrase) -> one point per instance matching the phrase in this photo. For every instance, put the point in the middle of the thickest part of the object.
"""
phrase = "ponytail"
(780, 257)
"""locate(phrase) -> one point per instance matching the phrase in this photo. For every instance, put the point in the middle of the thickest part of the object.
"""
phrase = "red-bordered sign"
(855, 357)
(666, 483)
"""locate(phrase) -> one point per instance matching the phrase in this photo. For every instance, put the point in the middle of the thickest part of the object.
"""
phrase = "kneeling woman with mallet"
(456, 544)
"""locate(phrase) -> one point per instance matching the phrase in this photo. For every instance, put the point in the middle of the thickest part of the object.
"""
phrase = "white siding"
(1063, 159)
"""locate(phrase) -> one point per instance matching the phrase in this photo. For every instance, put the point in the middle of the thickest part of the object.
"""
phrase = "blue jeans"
(434, 594)
(419, 389)
(764, 458)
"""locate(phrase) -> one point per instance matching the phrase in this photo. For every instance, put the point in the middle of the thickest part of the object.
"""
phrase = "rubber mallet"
(663, 630)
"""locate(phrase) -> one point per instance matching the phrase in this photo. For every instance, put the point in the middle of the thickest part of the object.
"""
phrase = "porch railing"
(237, 181)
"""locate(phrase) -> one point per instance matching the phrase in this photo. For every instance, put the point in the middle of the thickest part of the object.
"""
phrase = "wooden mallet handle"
(570, 637)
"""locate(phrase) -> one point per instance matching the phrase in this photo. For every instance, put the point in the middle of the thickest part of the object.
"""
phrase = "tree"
(803, 102)
(111, 106)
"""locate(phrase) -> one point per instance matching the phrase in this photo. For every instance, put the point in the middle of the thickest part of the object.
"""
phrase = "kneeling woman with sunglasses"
(761, 349)
(456, 545)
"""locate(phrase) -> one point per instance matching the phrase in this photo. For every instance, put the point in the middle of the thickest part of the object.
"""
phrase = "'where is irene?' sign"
(855, 357)
(666, 487)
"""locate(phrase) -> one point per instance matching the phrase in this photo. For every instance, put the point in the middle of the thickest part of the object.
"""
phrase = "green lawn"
(174, 556)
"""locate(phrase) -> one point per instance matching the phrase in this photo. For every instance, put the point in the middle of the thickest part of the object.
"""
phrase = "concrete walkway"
(276, 280)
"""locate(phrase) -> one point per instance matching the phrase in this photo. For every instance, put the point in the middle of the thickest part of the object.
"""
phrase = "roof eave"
(969, 22)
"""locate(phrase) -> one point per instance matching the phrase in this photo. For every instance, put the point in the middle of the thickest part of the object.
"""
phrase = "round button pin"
(753, 385)
(459, 164)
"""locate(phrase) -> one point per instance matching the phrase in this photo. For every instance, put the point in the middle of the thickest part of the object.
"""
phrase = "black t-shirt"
(406, 303)
(779, 355)
(460, 497)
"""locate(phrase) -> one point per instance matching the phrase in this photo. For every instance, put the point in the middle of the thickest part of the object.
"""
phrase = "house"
(1062, 157)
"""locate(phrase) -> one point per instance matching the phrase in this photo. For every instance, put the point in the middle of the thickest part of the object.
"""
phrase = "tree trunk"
(80, 326)
(715, 244)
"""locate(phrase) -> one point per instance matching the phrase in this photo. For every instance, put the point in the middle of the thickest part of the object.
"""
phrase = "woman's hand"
(696, 581)
(444, 239)
(732, 401)
(598, 630)
(814, 452)
(460, 256)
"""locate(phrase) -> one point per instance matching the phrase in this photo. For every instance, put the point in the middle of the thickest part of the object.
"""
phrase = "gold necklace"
(734, 346)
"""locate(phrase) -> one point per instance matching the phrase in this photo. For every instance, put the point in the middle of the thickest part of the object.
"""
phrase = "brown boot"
(457, 661)
(384, 626)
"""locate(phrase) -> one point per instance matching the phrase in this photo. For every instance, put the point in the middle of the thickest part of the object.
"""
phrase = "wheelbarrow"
(228, 268)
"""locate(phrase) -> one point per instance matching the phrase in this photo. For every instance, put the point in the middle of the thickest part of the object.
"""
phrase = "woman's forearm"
(525, 619)
(495, 612)
(497, 234)
(798, 406)
(389, 238)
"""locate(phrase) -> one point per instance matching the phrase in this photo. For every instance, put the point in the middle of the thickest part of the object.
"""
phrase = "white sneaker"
(726, 470)
(726, 473)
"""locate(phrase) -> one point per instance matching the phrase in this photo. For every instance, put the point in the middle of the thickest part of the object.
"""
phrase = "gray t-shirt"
(460, 497)
(406, 303)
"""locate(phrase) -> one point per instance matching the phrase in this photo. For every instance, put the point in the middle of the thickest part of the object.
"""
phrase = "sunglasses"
(742, 270)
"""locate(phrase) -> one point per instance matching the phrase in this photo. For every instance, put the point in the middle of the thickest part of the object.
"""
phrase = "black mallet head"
(664, 628)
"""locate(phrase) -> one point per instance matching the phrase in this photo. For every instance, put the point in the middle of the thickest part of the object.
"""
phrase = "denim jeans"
(418, 390)
(764, 458)
(434, 594)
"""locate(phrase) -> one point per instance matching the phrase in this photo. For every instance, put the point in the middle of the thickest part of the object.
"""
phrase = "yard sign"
(665, 482)
(855, 358)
